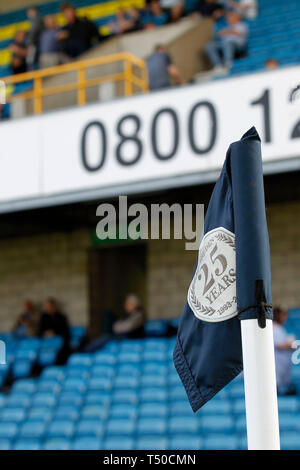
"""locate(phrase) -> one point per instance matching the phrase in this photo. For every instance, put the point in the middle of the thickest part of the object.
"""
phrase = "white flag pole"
(260, 386)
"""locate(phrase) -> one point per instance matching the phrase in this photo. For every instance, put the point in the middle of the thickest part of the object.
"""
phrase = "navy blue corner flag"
(232, 279)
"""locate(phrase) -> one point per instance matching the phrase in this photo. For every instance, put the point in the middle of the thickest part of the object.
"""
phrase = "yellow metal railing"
(38, 91)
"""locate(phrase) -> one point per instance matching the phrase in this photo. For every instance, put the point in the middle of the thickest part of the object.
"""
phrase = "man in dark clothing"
(53, 322)
(33, 37)
(19, 52)
(79, 33)
(161, 69)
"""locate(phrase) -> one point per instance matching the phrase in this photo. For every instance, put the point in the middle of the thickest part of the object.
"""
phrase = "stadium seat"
(289, 441)
(104, 358)
(216, 407)
(153, 394)
(8, 430)
(153, 409)
(61, 428)
(24, 386)
(79, 360)
(99, 383)
(123, 381)
(184, 424)
(18, 399)
(48, 385)
(152, 443)
(21, 367)
(102, 371)
(123, 443)
(57, 444)
(154, 426)
(86, 443)
(151, 380)
(221, 442)
(156, 328)
(186, 442)
(123, 411)
(65, 398)
(89, 428)
(13, 415)
(44, 399)
(32, 430)
(181, 407)
(97, 398)
(40, 414)
(125, 396)
(288, 404)
(54, 372)
(66, 412)
(216, 423)
(94, 412)
(120, 427)
(5, 444)
(26, 444)
(74, 385)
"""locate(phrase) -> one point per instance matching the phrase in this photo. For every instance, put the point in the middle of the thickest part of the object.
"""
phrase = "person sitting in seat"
(229, 41)
(23, 327)
(283, 343)
(132, 325)
(53, 322)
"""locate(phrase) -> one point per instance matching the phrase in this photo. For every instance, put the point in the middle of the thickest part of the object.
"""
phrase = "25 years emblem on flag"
(212, 293)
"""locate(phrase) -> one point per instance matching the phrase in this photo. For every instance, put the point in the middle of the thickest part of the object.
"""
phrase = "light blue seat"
(54, 372)
(80, 372)
(32, 430)
(99, 383)
(216, 407)
(57, 444)
(236, 389)
(48, 385)
(155, 344)
(31, 344)
(125, 396)
(289, 422)
(24, 386)
(243, 442)
(132, 346)
(152, 380)
(181, 407)
(152, 443)
(47, 356)
(94, 412)
(123, 411)
(74, 385)
(61, 428)
(186, 442)
(156, 328)
(289, 441)
(14, 415)
(86, 443)
(102, 371)
(80, 360)
(101, 357)
(120, 427)
(97, 398)
(128, 357)
(131, 370)
(8, 430)
(159, 356)
(177, 393)
(40, 414)
(239, 406)
(65, 398)
(154, 426)
(153, 409)
(53, 342)
(155, 368)
(66, 412)
(21, 368)
(18, 400)
(44, 399)
(5, 444)
(120, 443)
(125, 381)
(240, 424)
(77, 335)
(216, 424)
(221, 442)
(183, 424)
(89, 428)
(288, 404)
(27, 444)
(153, 394)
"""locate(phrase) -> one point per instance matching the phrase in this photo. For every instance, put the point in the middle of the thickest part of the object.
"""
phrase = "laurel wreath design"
(222, 237)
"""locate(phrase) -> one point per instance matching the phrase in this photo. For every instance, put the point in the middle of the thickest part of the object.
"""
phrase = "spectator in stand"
(53, 322)
(283, 343)
(154, 15)
(33, 38)
(126, 21)
(174, 9)
(271, 64)
(19, 53)
(50, 53)
(161, 69)
(245, 8)
(79, 34)
(24, 325)
(210, 8)
(132, 325)
(229, 41)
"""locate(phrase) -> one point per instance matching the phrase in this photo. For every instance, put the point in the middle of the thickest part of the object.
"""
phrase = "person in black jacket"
(53, 322)
(79, 33)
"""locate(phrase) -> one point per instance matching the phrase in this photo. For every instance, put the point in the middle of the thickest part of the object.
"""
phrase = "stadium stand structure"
(275, 33)
(128, 396)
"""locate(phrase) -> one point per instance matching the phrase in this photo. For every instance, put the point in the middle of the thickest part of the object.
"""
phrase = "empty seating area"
(128, 396)
(275, 34)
